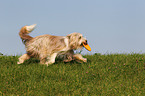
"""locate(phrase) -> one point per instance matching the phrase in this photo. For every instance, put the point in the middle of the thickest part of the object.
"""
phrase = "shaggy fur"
(47, 47)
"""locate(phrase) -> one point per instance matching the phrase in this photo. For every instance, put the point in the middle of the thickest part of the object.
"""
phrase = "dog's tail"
(25, 31)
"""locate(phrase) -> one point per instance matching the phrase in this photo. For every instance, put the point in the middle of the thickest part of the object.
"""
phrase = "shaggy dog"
(47, 47)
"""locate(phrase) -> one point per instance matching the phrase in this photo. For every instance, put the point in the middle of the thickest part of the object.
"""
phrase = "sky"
(110, 26)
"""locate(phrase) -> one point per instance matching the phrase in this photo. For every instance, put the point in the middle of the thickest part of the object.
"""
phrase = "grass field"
(103, 75)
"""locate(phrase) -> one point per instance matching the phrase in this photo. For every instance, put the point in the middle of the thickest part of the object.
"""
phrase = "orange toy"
(87, 46)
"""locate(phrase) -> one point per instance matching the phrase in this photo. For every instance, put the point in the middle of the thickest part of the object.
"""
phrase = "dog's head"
(76, 41)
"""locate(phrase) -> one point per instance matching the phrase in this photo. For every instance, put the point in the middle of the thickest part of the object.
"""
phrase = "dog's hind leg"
(42, 58)
(51, 59)
(42, 61)
(23, 58)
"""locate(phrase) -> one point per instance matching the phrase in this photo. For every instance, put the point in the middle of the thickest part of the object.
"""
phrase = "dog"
(47, 47)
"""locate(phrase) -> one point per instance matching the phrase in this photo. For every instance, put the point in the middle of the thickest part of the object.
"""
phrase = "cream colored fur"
(47, 47)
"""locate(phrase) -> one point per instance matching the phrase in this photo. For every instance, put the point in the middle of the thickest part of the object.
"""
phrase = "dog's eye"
(80, 37)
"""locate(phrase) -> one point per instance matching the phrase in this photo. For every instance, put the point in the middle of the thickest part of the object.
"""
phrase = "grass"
(103, 75)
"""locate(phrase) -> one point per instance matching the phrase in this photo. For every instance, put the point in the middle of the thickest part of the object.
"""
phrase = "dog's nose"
(86, 42)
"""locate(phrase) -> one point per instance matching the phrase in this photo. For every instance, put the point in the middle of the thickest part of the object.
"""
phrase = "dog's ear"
(68, 36)
(72, 40)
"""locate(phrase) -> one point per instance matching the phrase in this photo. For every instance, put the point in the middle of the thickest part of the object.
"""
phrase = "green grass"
(103, 75)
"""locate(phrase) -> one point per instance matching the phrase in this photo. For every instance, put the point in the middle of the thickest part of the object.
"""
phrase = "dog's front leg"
(69, 58)
(23, 58)
(79, 57)
(51, 59)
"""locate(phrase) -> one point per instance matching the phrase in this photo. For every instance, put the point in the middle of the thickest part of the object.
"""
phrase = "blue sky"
(111, 26)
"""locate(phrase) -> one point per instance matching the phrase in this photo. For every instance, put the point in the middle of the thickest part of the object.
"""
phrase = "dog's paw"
(85, 60)
(19, 62)
(49, 63)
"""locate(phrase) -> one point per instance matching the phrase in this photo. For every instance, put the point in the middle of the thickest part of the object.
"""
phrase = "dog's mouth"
(85, 44)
